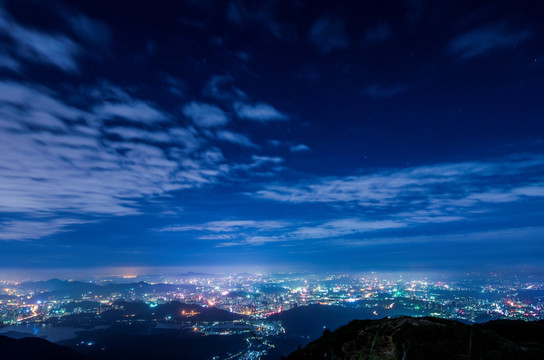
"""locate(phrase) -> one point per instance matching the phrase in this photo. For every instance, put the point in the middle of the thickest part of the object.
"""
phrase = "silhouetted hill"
(35, 348)
(176, 309)
(428, 338)
(132, 311)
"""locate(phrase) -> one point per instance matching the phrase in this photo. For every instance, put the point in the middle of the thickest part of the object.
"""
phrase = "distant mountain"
(35, 348)
(75, 289)
(428, 338)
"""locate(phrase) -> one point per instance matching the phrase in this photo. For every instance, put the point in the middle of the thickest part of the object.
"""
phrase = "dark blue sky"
(273, 135)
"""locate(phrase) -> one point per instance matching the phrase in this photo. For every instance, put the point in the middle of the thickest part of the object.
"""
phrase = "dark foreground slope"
(428, 338)
(35, 348)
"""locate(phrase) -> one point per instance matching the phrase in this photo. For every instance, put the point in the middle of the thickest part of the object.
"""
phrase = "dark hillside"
(35, 348)
(428, 338)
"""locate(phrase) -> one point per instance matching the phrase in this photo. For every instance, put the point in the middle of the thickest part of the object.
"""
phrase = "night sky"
(272, 135)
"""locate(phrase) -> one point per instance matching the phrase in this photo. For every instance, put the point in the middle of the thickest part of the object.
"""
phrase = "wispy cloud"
(258, 112)
(235, 138)
(296, 232)
(328, 34)
(260, 166)
(267, 159)
(60, 159)
(102, 152)
(130, 133)
(458, 185)
(290, 145)
(504, 236)
(229, 233)
(394, 206)
(354, 232)
(228, 226)
(39, 46)
(29, 229)
(343, 227)
(299, 148)
(261, 14)
(220, 87)
(484, 40)
(135, 110)
(7, 62)
(87, 29)
(23, 105)
(205, 115)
